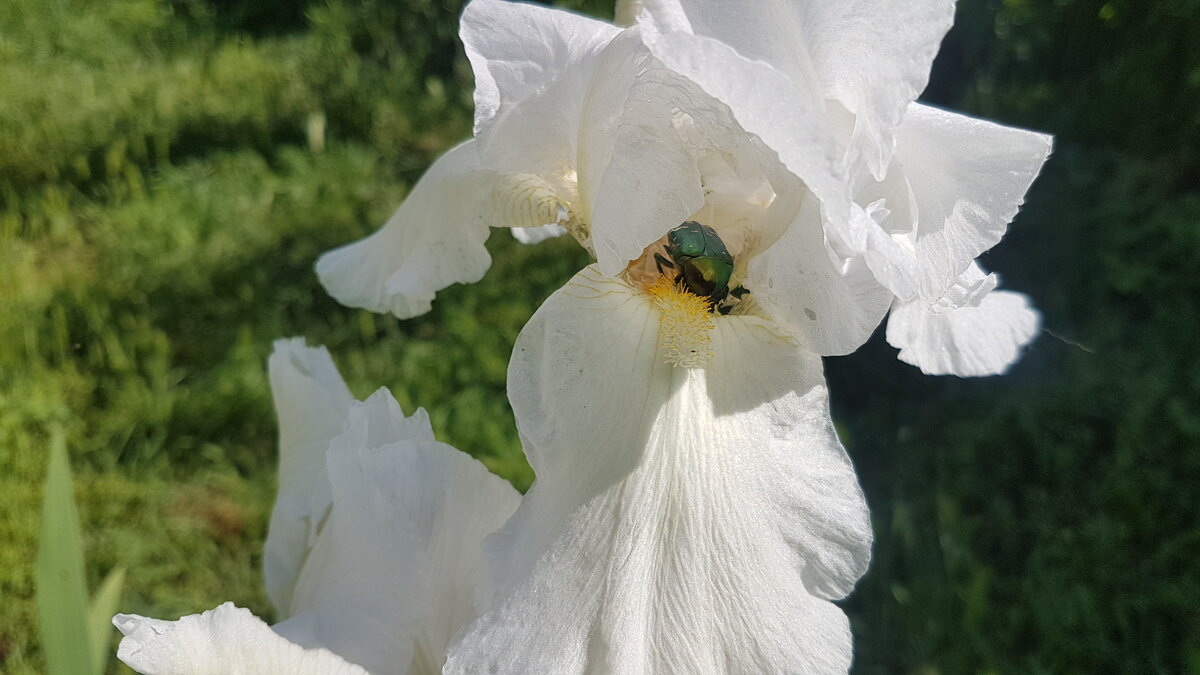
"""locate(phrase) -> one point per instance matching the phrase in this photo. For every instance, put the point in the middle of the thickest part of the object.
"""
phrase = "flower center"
(685, 326)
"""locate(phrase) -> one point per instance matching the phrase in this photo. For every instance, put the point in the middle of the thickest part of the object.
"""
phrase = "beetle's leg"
(739, 292)
(724, 309)
(661, 262)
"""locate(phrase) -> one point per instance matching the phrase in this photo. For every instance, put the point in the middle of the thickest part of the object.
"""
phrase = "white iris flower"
(373, 553)
(694, 510)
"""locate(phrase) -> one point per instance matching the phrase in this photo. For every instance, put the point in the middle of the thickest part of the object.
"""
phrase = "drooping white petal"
(973, 330)
(967, 177)
(311, 402)
(872, 56)
(436, 238)
(834, 306)
(684, 520)
(392, 574)
(227, 640)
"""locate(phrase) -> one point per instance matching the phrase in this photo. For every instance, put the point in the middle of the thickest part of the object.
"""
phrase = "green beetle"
(704, 264)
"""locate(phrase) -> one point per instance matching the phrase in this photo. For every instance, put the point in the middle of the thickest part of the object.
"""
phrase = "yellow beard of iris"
(686, 325)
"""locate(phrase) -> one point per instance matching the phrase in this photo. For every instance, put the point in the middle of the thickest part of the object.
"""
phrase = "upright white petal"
(436, 238)
(834, 306)
(967, 177)
(665, 152)
(227, 640)
(770, 32)
(518, 50)
(631, 143)
(311, 402)
(392, 574)
(972, 330)
(535, 70)
(684, 520)
(872, 56)
(786, 115)
(639, 179)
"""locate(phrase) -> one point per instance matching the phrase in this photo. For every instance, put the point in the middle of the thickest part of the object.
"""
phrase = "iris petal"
(972, 331)
(684, 520)
(227, 639)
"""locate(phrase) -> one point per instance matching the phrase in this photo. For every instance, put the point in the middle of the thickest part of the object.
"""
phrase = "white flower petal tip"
(293, 355)
(684, 519)
(972, 332)
(435, 239)
(227, 640)
(518, 49)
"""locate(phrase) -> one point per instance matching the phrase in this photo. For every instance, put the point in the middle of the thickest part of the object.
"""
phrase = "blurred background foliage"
(169, 170)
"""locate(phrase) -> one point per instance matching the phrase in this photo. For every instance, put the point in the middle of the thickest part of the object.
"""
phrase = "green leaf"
(104, 605)
(61, 590)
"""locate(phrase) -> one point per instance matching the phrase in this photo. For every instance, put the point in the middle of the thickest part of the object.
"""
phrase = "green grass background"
(169, 171)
